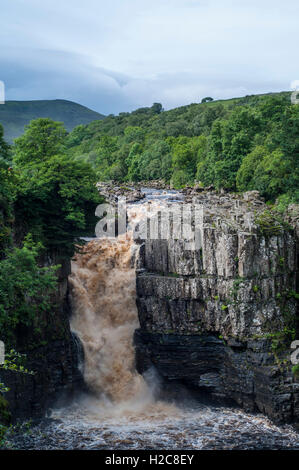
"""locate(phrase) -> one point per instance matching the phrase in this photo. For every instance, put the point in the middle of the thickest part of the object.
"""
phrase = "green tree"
(42, 139)
(176, 128)
(157, 108)
(133, 161)
(106, 153)
(201, 156)
(25, 288)
(289, 135)
(230, 140)
(56, 201)
(155, 162)
(4, 150)
(245, 175)
(184, 153)
(272, 108)
(7, 194)
(272, 175)
(179, 179)
(134, 134)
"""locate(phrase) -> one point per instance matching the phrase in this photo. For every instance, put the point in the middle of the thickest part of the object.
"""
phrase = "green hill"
(14, 115)
(191, 120)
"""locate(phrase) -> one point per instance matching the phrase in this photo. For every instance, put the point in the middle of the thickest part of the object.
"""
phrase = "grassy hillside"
(14, 115)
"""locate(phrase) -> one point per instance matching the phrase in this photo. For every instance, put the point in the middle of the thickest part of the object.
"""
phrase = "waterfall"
(104, 316)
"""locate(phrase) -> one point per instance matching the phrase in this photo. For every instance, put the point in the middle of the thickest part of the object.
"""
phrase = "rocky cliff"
(220, 317)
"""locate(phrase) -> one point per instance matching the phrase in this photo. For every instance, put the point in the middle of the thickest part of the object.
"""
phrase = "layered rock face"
(220, 315)
(52, 354)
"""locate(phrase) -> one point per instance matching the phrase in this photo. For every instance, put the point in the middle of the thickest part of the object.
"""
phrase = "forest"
(238, 145)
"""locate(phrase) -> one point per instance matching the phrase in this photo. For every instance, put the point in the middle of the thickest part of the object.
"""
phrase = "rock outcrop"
(221, 316)
(111, 192)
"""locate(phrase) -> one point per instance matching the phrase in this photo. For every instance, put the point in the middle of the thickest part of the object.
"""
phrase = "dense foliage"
(46, 193)
(7, 193)
(25, 288)
(56, 194)
(239, 145)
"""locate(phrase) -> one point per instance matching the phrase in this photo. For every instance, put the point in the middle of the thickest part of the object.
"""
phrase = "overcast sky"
(118, 55)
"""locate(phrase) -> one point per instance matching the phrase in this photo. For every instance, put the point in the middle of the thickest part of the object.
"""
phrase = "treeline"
(240, 144)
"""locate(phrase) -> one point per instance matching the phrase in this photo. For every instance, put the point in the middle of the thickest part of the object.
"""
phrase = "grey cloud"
(120, 55)
(45, 74)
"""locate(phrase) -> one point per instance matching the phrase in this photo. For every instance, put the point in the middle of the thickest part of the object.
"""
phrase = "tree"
(184, 159)
(8, 189)
(134, 134)
(132, 162)
(176, 128)
(272, 108)
(4, 150)
(184, 153)
(207, 99)
(25, 288)
(155, 162)
(230, 140)
(157, 108)
(289, 135)
(76, 136)
(43, 138)
(272, 174)
(245, 175)
(208, 115)
(179, 179)
(56, 202)
(105, 151)
(201, 156)
(7, 194)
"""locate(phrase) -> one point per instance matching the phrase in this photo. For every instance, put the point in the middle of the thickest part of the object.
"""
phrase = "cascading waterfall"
(105, 317)
(103, 298)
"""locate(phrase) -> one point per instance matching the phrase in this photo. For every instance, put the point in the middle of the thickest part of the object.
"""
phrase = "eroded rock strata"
(221, 318)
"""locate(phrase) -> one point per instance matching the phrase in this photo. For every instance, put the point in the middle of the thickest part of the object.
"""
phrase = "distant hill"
(14, 115)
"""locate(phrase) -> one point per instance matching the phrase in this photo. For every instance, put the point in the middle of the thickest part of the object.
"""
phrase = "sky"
(118, 55)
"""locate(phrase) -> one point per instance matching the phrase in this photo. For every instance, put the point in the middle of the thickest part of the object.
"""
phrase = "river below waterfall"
(121, 411)
(185, 426)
